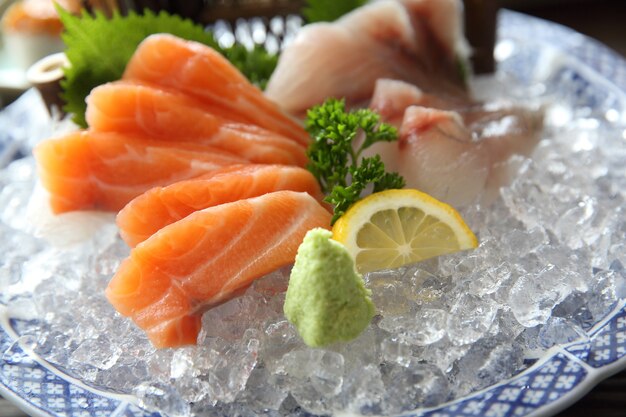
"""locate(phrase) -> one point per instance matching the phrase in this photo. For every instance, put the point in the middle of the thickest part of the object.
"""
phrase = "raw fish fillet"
(133, 108)
(206, 258)
(203, 73)
(455, 149)
(391, 98)
(160, 206)
(460, 161)
(439, 24)
(419, 41)
(95, 170)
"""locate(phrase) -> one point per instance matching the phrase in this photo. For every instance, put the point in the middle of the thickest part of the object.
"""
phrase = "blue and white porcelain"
(554, 381)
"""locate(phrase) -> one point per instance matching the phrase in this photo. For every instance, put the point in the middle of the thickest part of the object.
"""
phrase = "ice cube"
(558, 331)
(17, 248)
(604, 292)
(363, 391)
(572, 225)
(470, 318)
(99, 353)
(420, 385)
(314, 377)
(22, 308)
(489, 280)
(620, 278)
(13, 198)
(574, 308)
(488, 361)
(388, 291)
(182, 362)
(262, 391)
(163, 398)
(227, 381)
(323, 368)
(124, 376)
(280, 338)
(534, 295)
(427, 326)
(394, 350)
(194, 389)
(525, 241)
(231, 319)
(442, 354)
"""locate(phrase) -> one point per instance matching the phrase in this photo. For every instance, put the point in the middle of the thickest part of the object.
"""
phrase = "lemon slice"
(398, 227)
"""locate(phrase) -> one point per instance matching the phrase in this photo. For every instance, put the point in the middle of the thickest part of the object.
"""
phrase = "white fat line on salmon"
(106, 188)
(173, 283)
(196, 167)
(204, 166)
(202, 271)
(164, 324)
(280, 238)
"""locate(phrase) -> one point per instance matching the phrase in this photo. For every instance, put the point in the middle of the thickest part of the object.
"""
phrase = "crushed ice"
(550, 265)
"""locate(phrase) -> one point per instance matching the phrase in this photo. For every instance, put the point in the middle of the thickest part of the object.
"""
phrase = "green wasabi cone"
(326, 299)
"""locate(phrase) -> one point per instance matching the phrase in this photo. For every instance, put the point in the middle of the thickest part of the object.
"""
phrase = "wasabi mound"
(326, 300)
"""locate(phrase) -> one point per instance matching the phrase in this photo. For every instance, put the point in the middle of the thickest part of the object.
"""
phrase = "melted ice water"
(550, 265)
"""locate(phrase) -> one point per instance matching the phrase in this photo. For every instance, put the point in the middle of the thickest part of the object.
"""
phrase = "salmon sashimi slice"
(130, 107)
(94, 170)
(203, 73)
(208, 257)
(160, 206)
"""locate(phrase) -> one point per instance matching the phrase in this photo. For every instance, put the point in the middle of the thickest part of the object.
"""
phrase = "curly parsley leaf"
(329, 10)
(335, 157)
(99, 48)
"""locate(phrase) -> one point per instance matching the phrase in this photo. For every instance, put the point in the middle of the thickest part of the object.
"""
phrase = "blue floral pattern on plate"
(546, 382)
(607, 345)
(550, 384)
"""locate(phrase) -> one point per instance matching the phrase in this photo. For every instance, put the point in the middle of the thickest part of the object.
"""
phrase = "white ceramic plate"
(553, 382)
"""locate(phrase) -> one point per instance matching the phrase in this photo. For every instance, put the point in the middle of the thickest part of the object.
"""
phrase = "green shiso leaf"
(329, 10)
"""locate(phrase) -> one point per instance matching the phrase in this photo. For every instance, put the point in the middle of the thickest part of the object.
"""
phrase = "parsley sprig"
(335, 156)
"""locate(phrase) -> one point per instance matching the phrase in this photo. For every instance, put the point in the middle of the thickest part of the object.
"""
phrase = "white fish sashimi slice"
(321, 63)
(436, 155)
(386, 21)
(462, 159)
(344, 59)
(392, 97)
(431, 30)
(459, 150)
(444, 19)
(507, 129)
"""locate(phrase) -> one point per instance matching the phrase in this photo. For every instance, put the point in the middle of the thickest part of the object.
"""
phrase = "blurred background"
(604, 20)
